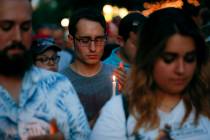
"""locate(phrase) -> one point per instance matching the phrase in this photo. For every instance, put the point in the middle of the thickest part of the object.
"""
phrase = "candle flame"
(114, 78)
(53, 127)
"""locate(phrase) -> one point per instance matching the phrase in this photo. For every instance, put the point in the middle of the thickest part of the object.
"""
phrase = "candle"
(114, 83)
(53, 127)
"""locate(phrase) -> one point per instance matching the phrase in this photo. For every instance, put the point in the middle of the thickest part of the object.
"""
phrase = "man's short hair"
(132, 22)
(86, 13)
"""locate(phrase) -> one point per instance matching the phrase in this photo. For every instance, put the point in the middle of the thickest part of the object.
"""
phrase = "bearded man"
(30, 98)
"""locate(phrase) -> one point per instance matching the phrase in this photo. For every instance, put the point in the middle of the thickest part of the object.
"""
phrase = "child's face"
(48, 60)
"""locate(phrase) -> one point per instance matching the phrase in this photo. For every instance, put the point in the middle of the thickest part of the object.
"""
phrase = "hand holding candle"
(121, 76)
(164, 134)
(54, 133)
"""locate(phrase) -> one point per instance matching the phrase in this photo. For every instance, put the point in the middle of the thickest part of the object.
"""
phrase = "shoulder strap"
(125, 106)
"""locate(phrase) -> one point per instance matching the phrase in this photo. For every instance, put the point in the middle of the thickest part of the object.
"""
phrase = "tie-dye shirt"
(44, 96)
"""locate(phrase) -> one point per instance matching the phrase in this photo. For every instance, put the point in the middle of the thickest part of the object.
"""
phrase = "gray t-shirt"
(93, 91)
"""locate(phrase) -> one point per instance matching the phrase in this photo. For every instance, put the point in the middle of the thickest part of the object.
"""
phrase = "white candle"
(114, 83)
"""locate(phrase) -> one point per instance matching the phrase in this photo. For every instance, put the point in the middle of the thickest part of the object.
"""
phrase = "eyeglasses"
(86, 41)
(46, 60)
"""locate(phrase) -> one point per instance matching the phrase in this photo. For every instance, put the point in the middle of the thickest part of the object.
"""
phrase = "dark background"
(52, 11)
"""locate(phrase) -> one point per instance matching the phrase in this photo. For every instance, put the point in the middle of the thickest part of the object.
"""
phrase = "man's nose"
(17, 37)
(92, 46)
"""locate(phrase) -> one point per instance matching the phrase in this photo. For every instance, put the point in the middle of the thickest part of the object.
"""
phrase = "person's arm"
(77, 120)
(68, 114)
(111, 122)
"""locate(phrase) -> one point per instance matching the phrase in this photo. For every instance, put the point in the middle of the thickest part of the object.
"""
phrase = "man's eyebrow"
(28, 21)
(6, 21)
(11, 21)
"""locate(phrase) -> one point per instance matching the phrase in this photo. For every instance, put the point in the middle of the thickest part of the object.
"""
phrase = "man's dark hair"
(131, 23)
(85, 13)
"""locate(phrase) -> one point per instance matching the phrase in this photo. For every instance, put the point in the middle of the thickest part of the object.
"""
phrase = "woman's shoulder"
(113, 104)
(111, 122)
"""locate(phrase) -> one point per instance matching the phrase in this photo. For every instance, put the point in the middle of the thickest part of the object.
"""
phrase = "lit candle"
(53, 127)
(114, 83)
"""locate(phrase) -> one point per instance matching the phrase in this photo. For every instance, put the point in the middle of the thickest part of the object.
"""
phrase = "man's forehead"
(10, 9)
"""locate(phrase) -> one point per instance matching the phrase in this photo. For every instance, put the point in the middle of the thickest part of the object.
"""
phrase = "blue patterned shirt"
(44, 95)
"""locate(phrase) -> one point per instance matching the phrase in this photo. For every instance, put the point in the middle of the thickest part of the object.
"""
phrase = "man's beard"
(15, 65)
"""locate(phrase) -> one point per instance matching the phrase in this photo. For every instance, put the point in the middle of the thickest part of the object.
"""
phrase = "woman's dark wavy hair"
(159, 27)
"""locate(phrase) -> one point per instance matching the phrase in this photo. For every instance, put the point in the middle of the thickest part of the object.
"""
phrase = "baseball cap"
(132, 22)
(40, 45)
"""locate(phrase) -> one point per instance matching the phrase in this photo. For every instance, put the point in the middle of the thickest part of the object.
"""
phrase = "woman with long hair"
(165, 93)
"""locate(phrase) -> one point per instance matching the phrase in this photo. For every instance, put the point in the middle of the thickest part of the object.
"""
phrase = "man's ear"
(120, 40)
(70, 37)
(70, 41)
(132, 35)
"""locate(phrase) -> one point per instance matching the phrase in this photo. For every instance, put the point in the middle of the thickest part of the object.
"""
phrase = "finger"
(30, 132)
(120, 74)
(36, 131)
(40, 131)
(121, 65)
(119, 87)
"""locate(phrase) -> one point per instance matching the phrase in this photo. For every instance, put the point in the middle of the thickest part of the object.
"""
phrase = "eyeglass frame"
(87, 43)
(46, 60)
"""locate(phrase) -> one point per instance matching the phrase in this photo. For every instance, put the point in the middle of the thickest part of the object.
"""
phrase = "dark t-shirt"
(93, 91)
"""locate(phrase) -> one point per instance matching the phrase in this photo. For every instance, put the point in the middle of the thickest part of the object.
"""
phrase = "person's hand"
(164, 134)
(55, 134)
(121, 75)
(32, 127)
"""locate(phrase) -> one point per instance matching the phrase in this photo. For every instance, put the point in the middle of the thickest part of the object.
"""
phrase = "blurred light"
(108, 17)
(115, 11)
(35, 3)
(65, 22)
(107, 9)
(151, 7)
(123, 12)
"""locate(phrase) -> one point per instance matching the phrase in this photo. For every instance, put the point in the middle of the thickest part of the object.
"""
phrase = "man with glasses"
(44, 52)
(30, 97)
(91, 79)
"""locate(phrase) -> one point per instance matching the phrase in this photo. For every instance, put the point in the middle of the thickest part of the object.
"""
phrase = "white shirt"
(111, 124)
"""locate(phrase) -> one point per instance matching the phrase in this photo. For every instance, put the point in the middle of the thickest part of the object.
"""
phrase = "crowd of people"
(56, 88)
